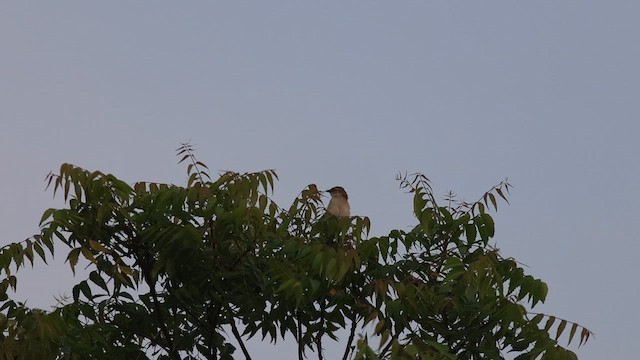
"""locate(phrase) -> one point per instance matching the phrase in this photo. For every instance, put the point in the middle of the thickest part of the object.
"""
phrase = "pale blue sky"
(545, 93)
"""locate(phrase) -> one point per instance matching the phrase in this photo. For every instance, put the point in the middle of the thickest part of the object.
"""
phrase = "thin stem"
(347, 349)
(300, 343)
(195, 165)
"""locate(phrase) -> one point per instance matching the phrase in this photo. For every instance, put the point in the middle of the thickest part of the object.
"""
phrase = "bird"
(339, 203)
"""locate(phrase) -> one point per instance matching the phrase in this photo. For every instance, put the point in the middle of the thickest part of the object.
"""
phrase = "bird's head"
(338, 191)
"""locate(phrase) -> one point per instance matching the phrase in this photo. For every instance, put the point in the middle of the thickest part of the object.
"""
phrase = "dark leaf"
(560, 329)
(574, 327)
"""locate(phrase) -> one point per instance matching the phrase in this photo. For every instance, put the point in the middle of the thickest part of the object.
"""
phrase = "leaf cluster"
(193, 272)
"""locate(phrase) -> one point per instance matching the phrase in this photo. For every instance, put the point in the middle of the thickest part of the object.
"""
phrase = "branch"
(188, 149)
(321, 331)
(352, 333)
(244, 253)
(387, 348)
(163, 327)
(584, 334)
(389, 344)
(146, 273)
(236, 333)
(213, 349)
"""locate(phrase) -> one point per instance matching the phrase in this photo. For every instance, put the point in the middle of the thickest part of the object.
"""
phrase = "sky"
(469, 93)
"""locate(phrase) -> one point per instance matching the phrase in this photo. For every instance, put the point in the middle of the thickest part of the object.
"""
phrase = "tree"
(193, 272)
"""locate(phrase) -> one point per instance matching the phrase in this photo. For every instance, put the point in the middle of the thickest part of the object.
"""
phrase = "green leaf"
(549, 324)
(73, 258)
(499, 191)
(67, 186)
(28, 251)
(200, 163)
(98, 280)
(17, 254)
(471, 233)
(46, 215)
(343, 269)
(515, 280)
(493, 201)
(427, 221)
(330, 269)
(86, 290)
(379, 326)
(97, 246)
(88, 255)
(383, 245)
(481, 208)
(318, 262)
(286, 285)
(40, 251)
(125, 295)
(485, 226)
(538, 291)
(262, 202)
(536, 319)
(442, 349)
(13, 282)
(76, 293)
(418, 203)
